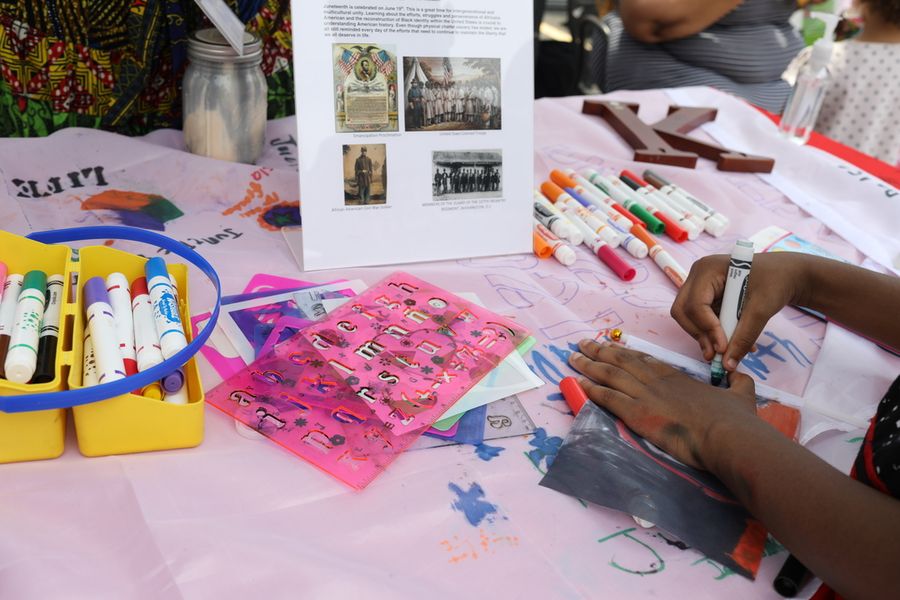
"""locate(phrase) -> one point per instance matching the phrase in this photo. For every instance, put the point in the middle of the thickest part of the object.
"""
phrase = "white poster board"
(415, 129)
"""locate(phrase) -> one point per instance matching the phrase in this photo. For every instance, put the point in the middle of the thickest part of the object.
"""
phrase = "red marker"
(573, 393)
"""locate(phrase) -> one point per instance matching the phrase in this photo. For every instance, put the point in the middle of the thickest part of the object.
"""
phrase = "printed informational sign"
(415, 127)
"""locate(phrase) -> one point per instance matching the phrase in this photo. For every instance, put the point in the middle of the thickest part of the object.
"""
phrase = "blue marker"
(165, 308)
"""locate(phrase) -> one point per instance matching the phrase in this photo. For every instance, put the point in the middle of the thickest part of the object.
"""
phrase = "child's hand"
(773, 283)
(661, 404)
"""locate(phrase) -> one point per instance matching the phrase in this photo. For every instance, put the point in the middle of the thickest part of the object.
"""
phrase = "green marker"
(21, 358)
(618, 192)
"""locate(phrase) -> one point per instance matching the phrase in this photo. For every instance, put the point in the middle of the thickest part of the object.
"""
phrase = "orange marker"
(573, 393)
(541, 248)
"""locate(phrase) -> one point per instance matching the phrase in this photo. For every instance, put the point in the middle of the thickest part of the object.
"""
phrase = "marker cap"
(573, 393)
(551, 190)
(629, 181)
(541, 248)
(642, 234)
(654, 225)
(621, 268)
(565, 255)
(95, 291)
(673, 230)
(138, 287)
(173, 382)
(3, 272)
(634, 178)
(156, 267)
(579, 198)
(655, 179)
(561, 179)
(34, 280)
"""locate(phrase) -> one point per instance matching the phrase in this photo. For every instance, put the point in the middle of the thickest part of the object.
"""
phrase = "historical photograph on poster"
(446, 93)
(365, 174)
(365, 88)
(461, 174)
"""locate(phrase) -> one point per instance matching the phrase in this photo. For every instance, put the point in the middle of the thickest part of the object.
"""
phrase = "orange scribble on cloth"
(466, 549)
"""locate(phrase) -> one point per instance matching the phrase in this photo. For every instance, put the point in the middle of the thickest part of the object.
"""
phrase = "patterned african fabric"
(117, 64)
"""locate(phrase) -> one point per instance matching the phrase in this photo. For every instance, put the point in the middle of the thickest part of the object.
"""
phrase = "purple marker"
(101, 322)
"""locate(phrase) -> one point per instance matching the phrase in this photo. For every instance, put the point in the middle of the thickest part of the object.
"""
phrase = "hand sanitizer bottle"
(809, 90)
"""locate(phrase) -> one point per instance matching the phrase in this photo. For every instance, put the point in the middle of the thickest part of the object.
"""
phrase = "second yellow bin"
(133, 423)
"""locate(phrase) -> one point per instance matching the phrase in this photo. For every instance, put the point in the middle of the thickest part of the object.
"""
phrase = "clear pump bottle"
(805, 102)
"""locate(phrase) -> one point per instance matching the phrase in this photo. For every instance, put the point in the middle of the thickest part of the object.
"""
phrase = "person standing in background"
(738, 46)
(860, 108)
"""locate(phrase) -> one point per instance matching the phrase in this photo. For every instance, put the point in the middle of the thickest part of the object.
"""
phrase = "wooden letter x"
(667, 142)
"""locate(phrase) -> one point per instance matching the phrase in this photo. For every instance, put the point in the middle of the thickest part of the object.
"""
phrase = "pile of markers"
(132, 330)
(30, 306)
(126, 330)
(605, 213)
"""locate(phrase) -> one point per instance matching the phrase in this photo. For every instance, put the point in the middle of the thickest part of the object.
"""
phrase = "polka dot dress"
(878, 461)
(862, 103)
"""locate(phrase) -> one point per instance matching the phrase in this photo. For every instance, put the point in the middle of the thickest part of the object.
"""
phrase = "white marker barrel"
(165, 308)
(21, 357)
(89, 368)
(146, 341)
(11, 288)
(102, 324)
(120, 300)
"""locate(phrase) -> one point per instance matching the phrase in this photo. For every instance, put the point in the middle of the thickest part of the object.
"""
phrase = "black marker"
(791, 578)
(46, 355)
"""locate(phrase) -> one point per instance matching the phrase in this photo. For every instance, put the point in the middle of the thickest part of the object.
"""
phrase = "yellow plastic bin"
(133, 423)
(123, 424)
(40, 434)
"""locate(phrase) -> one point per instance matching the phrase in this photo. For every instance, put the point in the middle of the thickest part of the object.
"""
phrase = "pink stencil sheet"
(341, 404)
(410, 349)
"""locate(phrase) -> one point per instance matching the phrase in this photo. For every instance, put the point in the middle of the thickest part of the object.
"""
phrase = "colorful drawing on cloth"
(137, 209)
(411, 350)
(604, 462)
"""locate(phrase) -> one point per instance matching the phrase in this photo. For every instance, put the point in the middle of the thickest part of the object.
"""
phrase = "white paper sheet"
(859, 207)
(438, 180)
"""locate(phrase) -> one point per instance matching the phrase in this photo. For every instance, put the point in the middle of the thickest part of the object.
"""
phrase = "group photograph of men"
(452, 93)
(466, 174)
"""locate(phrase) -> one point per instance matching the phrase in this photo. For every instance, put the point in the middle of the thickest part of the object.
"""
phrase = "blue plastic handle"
(68, 398)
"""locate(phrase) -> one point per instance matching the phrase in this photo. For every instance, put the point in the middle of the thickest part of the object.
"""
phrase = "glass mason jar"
(224, 98)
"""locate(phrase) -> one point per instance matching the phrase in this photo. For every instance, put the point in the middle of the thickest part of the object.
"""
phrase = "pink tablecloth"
(239, 517)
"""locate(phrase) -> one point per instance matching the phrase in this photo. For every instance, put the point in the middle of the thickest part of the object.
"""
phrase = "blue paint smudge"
(471, 504)
(486, 452)
(139, 219)
(545, 447)
(557, 397)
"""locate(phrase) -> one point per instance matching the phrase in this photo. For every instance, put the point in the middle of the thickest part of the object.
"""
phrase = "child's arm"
(859, 299)
(845, 532)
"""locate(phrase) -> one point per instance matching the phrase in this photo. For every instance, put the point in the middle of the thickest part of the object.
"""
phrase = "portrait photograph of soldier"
(446, 93)
(365, 174)
(460, 174)
(365, 88)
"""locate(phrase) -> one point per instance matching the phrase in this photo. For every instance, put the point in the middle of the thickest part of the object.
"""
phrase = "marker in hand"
(732, 299)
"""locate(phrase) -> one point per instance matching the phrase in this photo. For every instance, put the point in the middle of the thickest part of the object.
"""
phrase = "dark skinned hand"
(661, 404)
(775, 281)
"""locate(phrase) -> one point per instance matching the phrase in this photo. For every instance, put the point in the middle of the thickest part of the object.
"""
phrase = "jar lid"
(212, 45)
